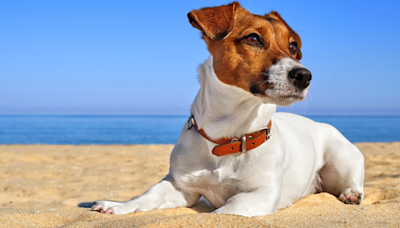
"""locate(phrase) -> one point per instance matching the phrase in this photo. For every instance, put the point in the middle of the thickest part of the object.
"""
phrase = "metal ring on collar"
(244, 144)
(190, 123)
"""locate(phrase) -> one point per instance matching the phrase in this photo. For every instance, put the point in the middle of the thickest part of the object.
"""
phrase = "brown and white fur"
(254, 66)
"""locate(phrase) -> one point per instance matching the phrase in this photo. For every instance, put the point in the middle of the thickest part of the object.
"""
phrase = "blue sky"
(131, 57)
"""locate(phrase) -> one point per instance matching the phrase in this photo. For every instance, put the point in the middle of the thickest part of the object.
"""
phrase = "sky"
(141, 57)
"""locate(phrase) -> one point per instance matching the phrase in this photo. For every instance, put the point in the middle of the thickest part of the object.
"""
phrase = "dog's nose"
(300, 77)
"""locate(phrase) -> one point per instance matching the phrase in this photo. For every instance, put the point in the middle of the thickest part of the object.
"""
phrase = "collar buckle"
(268, 132)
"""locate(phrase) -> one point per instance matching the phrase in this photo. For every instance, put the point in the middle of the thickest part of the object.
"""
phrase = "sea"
(114, 129)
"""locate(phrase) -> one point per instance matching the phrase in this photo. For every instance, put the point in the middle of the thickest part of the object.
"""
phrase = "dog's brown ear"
(275, 15)
(215, 22)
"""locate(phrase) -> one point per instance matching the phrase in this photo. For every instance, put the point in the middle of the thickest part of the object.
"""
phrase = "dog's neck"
(225, 111)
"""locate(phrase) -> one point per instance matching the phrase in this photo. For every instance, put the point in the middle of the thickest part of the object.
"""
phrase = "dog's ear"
(275, 15)
(215, 22)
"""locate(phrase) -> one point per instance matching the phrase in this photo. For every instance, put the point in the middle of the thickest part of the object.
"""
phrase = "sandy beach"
(50, 186)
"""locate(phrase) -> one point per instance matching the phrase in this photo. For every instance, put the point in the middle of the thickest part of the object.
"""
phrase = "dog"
(235, 150)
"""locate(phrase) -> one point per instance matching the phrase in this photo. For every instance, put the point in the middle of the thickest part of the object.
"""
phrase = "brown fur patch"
(215, 22)
(236, 61)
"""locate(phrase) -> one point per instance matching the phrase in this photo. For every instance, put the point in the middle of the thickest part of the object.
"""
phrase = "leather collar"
(234, 145)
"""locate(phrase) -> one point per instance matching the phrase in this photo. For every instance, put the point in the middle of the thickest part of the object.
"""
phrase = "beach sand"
(50, 186)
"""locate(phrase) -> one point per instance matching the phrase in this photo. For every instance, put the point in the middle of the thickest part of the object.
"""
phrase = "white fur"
(274, 175)
(277, 75)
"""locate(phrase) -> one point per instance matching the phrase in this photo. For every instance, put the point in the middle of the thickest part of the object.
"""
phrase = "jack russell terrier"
(235, 151)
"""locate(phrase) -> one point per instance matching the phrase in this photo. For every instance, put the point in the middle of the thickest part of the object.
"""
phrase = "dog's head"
(259, 54)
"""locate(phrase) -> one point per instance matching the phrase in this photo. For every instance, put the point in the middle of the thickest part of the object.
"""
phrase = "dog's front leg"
(258, 202)
(162, 195)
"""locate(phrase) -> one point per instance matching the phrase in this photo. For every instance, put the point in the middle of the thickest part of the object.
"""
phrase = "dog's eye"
(293, 48)
(253, 39)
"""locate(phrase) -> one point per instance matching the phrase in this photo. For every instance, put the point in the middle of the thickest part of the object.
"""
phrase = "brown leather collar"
(234, 145)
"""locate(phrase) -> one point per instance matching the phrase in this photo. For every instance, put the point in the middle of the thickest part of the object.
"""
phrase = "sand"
(50, 186)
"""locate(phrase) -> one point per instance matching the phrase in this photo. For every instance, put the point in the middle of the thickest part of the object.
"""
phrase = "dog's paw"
(350, 196)
(115, 208)
(105, 206)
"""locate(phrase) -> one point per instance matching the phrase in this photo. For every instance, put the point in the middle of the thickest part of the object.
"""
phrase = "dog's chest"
(220, 176)
(216, 185)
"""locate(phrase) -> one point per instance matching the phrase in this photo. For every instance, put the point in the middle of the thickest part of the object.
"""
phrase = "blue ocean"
(87, 129)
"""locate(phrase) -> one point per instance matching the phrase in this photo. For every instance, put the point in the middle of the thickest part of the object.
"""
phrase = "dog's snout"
(300, 77)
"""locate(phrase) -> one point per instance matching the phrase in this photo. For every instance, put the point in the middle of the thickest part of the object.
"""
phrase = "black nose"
(300, 77)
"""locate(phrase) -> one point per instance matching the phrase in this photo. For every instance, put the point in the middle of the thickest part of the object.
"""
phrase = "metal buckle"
(268, 133)
(190, 123)
(244, 144)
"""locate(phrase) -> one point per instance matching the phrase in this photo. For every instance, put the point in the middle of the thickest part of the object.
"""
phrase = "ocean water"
(77, 130)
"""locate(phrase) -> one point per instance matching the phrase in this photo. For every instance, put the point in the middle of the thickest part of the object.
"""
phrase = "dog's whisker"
(265, 82)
